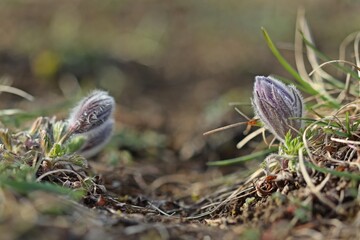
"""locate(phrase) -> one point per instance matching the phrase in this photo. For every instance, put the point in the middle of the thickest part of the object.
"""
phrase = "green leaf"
(5, 138)
(78, 160)
(74, 144)
(347, 175)
(292, 145)
(347, 122)
(57, 151)
(307, 87)
(58, 130)
(246, 158)
(27, 187)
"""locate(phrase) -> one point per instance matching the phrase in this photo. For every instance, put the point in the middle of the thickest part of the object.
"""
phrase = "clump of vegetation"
(55, 151)
(315, 174)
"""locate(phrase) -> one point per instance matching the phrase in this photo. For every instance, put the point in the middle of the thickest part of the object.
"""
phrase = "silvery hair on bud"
(92, 118)
(278, 106)
(91, 112)
(96, 140)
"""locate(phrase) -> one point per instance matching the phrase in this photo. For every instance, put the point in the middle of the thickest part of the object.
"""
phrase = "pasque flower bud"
(96, 140)
(91, 119)
(91, 112)
(278, 106)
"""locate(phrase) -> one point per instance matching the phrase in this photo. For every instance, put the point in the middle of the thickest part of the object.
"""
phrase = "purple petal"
(97, 140)
(277, 105)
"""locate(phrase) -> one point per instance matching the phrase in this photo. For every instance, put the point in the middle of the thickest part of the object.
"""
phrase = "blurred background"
(173, 66)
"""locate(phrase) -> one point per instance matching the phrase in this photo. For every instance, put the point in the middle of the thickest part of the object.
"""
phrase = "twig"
(59, 171)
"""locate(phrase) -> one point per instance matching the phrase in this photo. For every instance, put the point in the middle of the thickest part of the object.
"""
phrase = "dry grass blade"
(334, 61)
(299, 57)
(241, 192)
(250, 137)
(16, 91)
(224, 128)
(347, 88)
(346, 141)
(303, 28)
(9, 112)
(356, 51)
(59, 171)
(313, 188)
(305, 140)
(345, 43)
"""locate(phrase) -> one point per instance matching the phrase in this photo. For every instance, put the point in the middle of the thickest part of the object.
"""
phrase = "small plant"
(92, 120)
(55, 150)
(316, 163)
(291, 145)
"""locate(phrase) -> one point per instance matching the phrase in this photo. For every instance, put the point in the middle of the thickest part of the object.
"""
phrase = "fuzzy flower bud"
(91, 112)
(278, 106)
(96, 140)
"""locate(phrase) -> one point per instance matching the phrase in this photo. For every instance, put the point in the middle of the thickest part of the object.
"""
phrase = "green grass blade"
(27, 187)
(334, 172)
(246, 158)
(347, 124)
(307, 87)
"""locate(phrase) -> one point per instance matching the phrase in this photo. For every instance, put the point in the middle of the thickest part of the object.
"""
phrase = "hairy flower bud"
(96, 140)
(278, 106)
(91, 112)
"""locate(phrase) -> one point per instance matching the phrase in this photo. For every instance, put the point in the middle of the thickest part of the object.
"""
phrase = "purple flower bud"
(96, 140)
(91, 112)
(278, 106)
